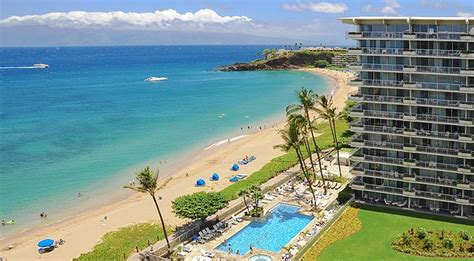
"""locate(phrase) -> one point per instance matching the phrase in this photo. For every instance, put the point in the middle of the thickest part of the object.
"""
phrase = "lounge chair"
(455, 212)
(403, 204)
(269, 197)
(187, 248)
(207, 253)
(182, 253)
(210, 232)
(238, 219)
(395, 203)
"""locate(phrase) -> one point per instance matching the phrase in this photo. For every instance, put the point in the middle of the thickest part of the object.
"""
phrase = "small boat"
(40, 65)
(9, 222)
(155, 79)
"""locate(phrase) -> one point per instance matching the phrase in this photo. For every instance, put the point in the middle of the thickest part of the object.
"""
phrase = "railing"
(384, 188)
(438, 69)
(444, 35)
(382, 34)
(433, 180)
(385, 67)
(437, 102)
(436, 165)
(436, 118)
(419, 148)
(369, 50)
(435, 195)
(383, 83)
(380, 98)
(383, 174)
(439, 86)
(437, 52)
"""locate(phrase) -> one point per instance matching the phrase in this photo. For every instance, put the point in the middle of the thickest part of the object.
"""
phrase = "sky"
(137, 22)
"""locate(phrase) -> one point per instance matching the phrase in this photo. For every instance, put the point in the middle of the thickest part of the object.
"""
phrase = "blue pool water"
(272, 234)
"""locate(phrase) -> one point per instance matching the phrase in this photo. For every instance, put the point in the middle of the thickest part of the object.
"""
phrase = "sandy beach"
(84, 231)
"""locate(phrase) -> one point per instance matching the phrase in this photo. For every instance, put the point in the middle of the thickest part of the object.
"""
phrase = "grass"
(121, 243)
(380, 228)
(288, 160)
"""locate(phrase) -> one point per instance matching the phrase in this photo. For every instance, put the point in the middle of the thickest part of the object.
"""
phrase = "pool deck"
(286, 197)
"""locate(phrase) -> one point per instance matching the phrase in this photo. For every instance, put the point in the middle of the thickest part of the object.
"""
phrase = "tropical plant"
(244, 193)
(198, 206)
(148, 183)
(327, 111)
(292, 139)
(306, 104)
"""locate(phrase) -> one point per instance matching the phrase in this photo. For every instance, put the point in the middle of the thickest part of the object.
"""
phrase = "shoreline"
(137, 208)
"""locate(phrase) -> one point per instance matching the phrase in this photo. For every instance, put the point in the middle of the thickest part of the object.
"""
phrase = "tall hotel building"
(414, 121)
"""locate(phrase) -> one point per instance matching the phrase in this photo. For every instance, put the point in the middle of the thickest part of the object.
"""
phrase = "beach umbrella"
(215, 177)
(235, 167)
(200, 183)
(46, 243)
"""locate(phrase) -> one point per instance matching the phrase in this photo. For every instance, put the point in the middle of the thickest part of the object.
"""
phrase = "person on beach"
(251, 249)
(79, 194)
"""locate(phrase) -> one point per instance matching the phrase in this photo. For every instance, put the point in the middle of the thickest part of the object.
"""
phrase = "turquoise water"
(90, 120)
(281, 225)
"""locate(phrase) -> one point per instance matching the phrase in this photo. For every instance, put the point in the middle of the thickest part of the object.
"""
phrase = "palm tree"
(302, 125)
(328, 112)
(292, 139)
(147, 183)
(244, 193)
(307, 103)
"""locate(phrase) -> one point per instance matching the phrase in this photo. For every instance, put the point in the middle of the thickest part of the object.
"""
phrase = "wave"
(225, 141)
(18, 67)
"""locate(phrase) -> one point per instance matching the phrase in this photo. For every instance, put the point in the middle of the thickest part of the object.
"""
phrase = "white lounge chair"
(207, 253)
(238, 219)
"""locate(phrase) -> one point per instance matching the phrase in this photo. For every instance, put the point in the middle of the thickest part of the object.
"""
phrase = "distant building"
(343, 60)
(415, 118)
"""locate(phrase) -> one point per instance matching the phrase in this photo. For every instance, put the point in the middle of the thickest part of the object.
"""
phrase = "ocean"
(90, 121)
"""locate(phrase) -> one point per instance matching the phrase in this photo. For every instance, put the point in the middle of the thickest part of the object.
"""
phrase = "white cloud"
(464, 14)
(392, 3)
(388, 10)
(321, 7)
(118, 19)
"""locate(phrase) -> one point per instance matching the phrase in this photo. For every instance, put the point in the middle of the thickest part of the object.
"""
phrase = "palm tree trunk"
(337, 144)
(316, 148)
(308, 149)
(246, 205)
(162, 222)
(306, 176)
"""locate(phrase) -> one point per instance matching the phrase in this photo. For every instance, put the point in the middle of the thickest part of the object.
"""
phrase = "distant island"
(283, 59)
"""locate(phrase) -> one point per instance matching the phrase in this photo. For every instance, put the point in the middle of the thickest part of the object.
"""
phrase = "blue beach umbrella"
(235, 167)
(200, 183)
(215, 177)
(46, 243)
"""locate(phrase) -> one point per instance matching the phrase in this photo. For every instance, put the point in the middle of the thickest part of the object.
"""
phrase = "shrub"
(448, 243)
(406, 240)
(428, 243)
(344, 195)
(421, 233)
(464, 235)
(321, 64)
(199, 205)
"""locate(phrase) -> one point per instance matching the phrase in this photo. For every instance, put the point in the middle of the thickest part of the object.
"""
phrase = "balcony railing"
(420, 101)
(438, 69)
(437, 52)
(415, 148)
(435, 195)
(444, 35)
(369, 50)
(382, 67)
(382, 34)
(383, 83)
(414, 163)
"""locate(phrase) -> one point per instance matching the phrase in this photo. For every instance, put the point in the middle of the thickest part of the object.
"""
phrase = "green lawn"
(372, 242)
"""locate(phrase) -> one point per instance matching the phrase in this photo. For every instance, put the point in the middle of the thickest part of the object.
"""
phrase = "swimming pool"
(272, 234)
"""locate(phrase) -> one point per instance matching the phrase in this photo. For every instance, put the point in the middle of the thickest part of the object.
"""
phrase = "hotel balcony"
(354, 35)
(390, 83)
(413, 101)
(439, 35)
(355, 66)
(356, 82)
(359, 127)
(468, 72)
(412, 163)
(405, 147)
(434, 52)
(384, 51)
(361, 35)
(467, 88)
(354, 51)
(409, 192)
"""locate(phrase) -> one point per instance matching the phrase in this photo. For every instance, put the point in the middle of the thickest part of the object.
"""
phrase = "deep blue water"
(79, 124)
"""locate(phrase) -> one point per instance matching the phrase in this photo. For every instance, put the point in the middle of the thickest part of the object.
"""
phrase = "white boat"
(155, 79)
(40, 65)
